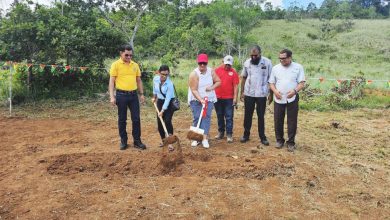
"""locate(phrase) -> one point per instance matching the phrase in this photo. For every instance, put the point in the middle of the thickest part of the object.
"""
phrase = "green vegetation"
(362, 51)
(173, 32)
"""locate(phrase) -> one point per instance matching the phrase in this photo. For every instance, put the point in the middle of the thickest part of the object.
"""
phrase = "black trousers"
(167, 118)
(292, 120)
(130, 101)
(250, 103)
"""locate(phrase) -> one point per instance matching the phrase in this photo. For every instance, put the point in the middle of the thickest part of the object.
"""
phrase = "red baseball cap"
(202, 58)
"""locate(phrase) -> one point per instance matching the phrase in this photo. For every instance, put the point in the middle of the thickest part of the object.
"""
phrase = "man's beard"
(255, 61)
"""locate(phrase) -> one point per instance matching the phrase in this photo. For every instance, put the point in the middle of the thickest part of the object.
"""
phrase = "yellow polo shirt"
(125, 74)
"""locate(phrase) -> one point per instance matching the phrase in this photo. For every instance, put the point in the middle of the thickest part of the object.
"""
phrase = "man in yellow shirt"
(125, 77)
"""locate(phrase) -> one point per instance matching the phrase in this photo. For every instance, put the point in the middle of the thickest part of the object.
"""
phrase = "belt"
(126, 92)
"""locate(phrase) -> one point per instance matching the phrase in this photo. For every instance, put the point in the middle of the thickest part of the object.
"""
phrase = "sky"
(5, 4)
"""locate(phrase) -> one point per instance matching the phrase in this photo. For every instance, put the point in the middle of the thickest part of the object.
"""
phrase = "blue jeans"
(196, 108)
(225, 111)
(124, 101)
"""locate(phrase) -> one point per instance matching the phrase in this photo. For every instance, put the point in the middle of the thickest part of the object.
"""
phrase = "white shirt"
(256, 83)
(205, 80)
(286, 78)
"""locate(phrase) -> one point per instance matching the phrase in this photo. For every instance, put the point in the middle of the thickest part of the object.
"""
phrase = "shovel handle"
(162, 121)
(200, 116)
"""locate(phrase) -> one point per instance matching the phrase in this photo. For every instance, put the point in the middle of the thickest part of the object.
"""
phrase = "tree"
(75, 34)
(344, 11)
(18, 33)
(128, 18)
(311, 10)
(328, 9)
(270, 12)
(238, 21)
(294, 12)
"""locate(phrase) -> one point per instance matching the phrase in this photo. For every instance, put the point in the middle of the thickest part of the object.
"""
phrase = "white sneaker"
(194, 143)
(229, 139)
(205, 143)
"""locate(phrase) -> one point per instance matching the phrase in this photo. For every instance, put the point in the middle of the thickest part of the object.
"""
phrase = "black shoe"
(219, 136)
(123, 146)
(244, 139)
(139, 145)
(291, 147)
(279, 145)
(265, 142)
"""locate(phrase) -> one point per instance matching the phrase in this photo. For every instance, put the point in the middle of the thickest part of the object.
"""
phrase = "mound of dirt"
(171, 158)
(112, 163)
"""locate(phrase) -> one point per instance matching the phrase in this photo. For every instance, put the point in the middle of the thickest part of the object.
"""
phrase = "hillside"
(365, 48)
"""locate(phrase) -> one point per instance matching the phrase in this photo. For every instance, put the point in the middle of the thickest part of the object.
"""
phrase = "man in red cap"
(227, 98)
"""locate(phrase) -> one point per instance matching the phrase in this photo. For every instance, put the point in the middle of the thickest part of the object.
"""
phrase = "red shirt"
(228, 80)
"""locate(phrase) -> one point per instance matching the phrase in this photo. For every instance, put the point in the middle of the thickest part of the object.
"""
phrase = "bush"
(312, 36)
(37, 82)
(345, 26)
(19, 90)
(352, 89)
(343, 96)
(326, 30)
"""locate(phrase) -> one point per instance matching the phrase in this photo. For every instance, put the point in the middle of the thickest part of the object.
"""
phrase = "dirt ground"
(64, 162)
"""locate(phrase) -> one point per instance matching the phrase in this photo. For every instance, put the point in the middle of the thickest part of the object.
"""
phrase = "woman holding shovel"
(201, 97)
(163, 92)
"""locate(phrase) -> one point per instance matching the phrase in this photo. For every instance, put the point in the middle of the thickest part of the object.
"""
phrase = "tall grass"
(365, 50)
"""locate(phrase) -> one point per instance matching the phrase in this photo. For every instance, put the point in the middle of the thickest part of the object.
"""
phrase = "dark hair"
(163, 68)
(257, 48)
(125, 47)
(286, 51)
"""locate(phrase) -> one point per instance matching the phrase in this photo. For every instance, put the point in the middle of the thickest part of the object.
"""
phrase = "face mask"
(255, 61)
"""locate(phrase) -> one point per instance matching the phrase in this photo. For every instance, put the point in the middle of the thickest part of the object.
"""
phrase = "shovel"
(169, 139)
(197, 133)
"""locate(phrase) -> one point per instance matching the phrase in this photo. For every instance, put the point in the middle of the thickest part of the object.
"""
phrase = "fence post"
(29, 76)
(10, 90)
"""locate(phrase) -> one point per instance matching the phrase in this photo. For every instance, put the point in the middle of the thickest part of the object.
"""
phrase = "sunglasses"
(202, 64)
(128, 55)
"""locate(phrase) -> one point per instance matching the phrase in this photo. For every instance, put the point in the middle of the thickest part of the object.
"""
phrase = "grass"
(365, 50)
(370, 101)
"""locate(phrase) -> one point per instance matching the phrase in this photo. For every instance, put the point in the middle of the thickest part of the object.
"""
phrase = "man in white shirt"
(287, 79)
(254, 92)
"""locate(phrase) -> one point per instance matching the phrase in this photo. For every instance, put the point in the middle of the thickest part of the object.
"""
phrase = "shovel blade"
(196, 130)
